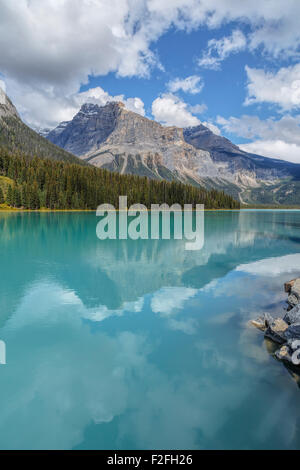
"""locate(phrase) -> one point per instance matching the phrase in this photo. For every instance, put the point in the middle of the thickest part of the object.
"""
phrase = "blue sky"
(232, 65)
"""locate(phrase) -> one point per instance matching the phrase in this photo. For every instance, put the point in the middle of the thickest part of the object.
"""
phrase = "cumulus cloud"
(193, 84)
(287, 128)
(171, 111)
(281, 88)
(198, 108)
(70, 376)
(50, 48)
(99, 96)
(116, 35)
(169, 300)
(274, 149)
(272, 138)
(272, 266)
(40, 109)
(219, 50)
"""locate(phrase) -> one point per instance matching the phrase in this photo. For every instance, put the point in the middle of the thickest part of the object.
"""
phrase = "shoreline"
(43, 211)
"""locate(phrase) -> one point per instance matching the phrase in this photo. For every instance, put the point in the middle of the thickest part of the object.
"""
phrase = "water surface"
(141, 344)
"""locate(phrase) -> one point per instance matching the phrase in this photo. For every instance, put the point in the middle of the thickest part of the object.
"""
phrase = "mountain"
(114, 138)
(119, 140)
(260, 180)
(16, 136)
(236, 160)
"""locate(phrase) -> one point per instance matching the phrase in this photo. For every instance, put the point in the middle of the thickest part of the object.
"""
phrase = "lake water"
(141, 344)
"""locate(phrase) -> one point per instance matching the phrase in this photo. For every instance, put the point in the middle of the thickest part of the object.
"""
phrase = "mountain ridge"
(117, 139)
(17, 136)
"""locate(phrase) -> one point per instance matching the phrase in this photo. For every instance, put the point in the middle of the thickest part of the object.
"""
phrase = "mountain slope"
(16, 136)
(119, 140)
(236, 160)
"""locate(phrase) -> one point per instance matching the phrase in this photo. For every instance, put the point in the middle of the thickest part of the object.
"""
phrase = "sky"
(232, 65)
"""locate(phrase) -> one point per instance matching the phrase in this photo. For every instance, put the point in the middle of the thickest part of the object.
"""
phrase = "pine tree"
(9, 196)
(1, 196)
(59, 185)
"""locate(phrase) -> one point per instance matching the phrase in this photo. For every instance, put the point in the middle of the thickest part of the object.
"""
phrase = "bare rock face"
(88, 129)
(245, 167)
(119, 140)
(7, 109)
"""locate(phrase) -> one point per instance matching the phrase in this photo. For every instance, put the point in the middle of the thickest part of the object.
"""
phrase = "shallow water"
(141, 344)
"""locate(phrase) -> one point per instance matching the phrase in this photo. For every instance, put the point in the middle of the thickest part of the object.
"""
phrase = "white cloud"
(40, 109)
(198, 108)
(281, 88)
(287, 128)
(169, 300)
(50, 48)
(61, 42)
(193, 84)
(171, 111)
(219, 50)
(99, 96)
(272, 138)
(274, 149)
(272, 266)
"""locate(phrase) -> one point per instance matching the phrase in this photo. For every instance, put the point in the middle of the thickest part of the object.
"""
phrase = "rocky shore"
(285, 332)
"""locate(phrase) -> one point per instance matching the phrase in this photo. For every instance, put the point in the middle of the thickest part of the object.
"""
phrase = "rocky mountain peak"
(93, 108)
(88, 129)
(7, 109)
(89, 108)
(115, 104)
(118, 139)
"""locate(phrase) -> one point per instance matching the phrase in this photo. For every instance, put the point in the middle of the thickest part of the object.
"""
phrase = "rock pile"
(285, 331)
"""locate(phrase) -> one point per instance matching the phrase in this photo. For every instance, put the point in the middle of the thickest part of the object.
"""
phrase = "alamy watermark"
(2, 353)
(188, 223)
(296, 354)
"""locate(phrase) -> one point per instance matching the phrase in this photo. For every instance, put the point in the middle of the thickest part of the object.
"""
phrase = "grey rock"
(284, 354)
(288, 286)
(236, 161)
(276, 331)
(263, 323)
(293, 316)
(114, 138)
(293, 332)
(290, 353)
(294, 297)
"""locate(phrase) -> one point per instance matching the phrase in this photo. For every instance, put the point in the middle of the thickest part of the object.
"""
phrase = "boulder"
(288, 286)
(263, 322)
(294, 297)
(292, 332)
(276, 330)
(259, 323)
(284, 354)
(293, 316)
(290, 352)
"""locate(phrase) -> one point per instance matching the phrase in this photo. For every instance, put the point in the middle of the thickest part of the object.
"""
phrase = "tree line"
(45, 183)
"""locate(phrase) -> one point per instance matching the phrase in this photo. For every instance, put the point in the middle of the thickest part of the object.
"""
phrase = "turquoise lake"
(141, 344)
